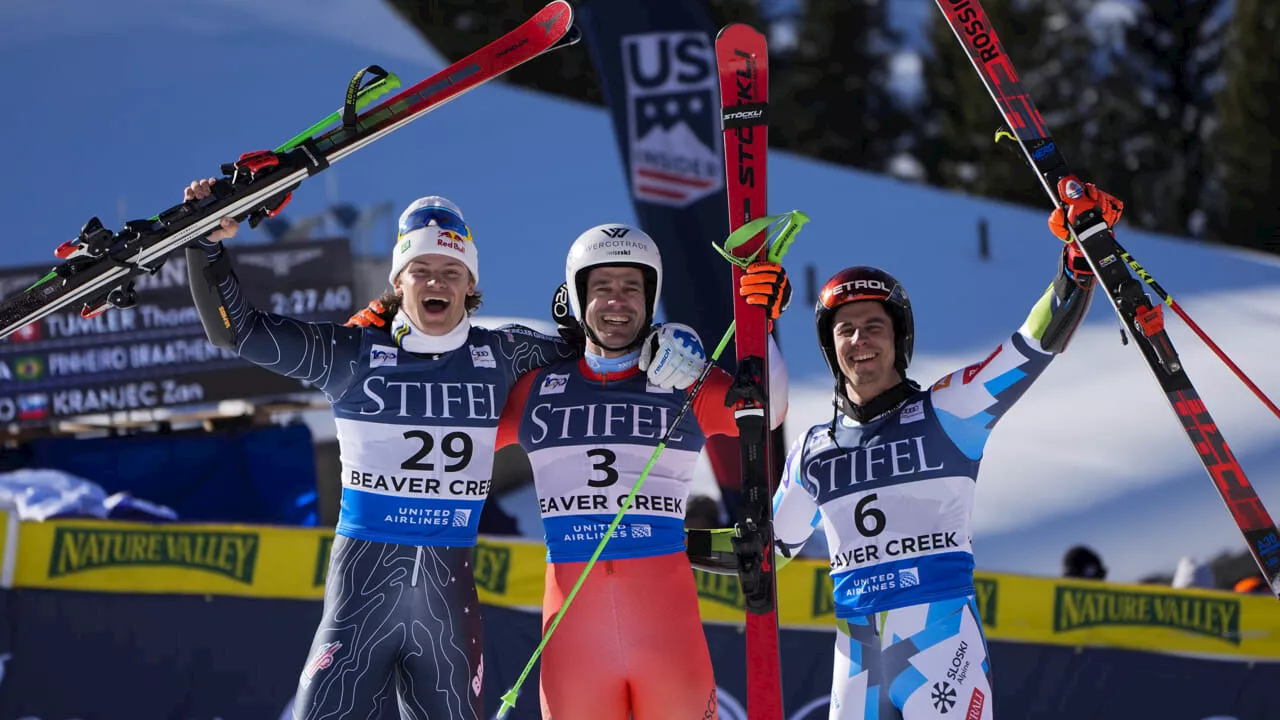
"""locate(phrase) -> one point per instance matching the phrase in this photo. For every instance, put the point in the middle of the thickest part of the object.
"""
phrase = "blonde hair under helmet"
(421, 234)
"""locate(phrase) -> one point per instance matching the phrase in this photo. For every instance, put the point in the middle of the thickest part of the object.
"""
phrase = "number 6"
(861, 513)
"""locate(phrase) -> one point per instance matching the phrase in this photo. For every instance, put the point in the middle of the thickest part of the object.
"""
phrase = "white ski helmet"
(613, 244)
(433, 225)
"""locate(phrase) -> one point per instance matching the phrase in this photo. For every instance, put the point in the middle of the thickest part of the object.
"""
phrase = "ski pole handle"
(788, 224)
(364, 97)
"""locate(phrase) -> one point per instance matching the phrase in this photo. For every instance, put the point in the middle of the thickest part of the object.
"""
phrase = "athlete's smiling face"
(434, 290)
(863, 336)
(615, 308)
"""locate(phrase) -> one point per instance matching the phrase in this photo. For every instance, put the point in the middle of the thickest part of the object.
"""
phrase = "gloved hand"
(765, 284)
(1074, 263)
(672, 356)
(370, 316)
(1110, 206)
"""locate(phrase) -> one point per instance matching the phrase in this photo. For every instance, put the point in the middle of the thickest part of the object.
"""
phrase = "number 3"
(604, 460)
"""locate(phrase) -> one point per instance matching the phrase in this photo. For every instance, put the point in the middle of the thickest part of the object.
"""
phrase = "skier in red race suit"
(631, 645)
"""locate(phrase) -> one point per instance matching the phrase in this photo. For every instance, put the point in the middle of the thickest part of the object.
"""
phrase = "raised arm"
(325, 355)
(970, 401)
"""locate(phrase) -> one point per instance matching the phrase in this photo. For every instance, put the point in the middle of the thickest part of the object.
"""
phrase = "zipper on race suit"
(608, 567)
(417, 565)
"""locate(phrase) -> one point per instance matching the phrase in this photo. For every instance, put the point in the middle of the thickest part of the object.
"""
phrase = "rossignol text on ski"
(1110, 263)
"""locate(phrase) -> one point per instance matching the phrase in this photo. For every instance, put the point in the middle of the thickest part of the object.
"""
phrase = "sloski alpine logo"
(944, 696)
(673, 131)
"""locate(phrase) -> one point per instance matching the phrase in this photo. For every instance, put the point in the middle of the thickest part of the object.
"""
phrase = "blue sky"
(127, 104)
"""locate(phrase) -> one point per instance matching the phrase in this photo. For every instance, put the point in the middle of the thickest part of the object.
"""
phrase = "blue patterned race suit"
(416, 431)
(895, 497)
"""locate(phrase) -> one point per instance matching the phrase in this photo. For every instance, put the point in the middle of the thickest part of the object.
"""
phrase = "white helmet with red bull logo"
(434, 226)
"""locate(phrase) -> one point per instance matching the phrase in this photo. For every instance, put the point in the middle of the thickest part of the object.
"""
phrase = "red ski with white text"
(743, 64)
(1143, 319)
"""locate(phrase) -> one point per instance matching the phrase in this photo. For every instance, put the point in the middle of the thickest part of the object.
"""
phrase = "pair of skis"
(1111, 264)
(98, 267)
(742, 62)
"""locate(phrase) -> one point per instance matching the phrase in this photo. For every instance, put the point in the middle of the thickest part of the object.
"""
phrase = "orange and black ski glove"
(765, 284)
(370, 316)
(1073, 259)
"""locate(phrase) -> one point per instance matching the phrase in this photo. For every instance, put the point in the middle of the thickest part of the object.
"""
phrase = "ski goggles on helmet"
(444, 218)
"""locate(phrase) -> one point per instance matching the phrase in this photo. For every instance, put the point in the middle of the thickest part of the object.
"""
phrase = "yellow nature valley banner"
(238, 560)
(269, 562)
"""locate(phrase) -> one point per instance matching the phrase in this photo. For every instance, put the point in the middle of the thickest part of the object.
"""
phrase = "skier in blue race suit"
(416, 403)
(891, 479)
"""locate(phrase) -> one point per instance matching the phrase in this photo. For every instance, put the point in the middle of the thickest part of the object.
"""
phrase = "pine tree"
(835, 95)
(1247, 143)
(1171, 55)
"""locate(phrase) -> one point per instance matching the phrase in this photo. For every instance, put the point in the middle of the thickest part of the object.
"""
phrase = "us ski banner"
(99, 265)
(743, 65)
(1110, 263)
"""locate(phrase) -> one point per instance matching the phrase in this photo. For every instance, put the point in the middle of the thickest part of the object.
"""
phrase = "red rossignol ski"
(742, 59)
(99, 265)
(1111, 264)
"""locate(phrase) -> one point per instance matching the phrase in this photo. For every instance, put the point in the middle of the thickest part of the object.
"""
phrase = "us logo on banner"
(672, 117)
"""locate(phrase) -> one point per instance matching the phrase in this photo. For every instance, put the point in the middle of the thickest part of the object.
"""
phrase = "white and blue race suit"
(417, 419)
(895, 498)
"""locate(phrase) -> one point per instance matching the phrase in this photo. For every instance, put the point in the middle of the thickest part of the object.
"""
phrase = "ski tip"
(555, 7)
(734, 29)
(556, 20)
